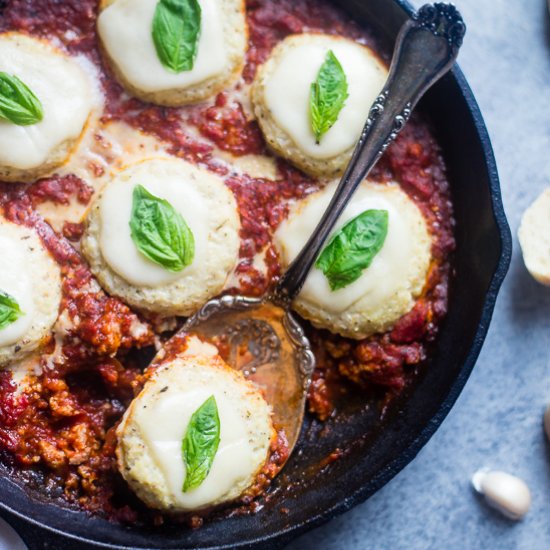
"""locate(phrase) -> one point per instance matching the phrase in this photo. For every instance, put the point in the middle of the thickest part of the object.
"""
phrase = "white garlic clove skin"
(547, 415)
(506, 493)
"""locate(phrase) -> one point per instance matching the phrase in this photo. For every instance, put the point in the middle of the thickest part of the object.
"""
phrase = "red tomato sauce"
(62, 428)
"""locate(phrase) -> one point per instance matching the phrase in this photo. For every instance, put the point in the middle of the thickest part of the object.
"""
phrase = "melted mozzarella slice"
(125, 28)
(16, 281)
(385, 275)
(172, 180)
(164, 435)
(288, 88)
(61, 86)
(195, 346)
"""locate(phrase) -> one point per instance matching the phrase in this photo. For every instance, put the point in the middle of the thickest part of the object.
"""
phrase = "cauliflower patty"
(281, 99)
(125, 31)
(387, 289)
(150, 436)
(63, 90)
(30, 283)
(208, 208)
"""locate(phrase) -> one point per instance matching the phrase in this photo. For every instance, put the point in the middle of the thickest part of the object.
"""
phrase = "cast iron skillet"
(376, 450)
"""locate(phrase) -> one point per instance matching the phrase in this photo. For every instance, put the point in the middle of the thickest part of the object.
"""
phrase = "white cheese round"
(153, 428)
(288, 88)
(175, 182)
(125, 28)
(16, 281)
(32, 278)
(387, 288)
(62, 87)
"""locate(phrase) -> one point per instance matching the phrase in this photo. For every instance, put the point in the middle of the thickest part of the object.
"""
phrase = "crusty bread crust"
(534, 238)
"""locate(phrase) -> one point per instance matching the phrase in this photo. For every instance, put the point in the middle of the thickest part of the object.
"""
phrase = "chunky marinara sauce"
(59, 432)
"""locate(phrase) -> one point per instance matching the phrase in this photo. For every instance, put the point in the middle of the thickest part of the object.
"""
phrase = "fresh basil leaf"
(328, 96)
(18, 104)
(200, 443)
(352, 249)
(176, 33)
(9, 310)
(160, 232)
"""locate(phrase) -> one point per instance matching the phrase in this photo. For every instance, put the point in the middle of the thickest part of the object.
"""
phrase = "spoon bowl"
(267, 344)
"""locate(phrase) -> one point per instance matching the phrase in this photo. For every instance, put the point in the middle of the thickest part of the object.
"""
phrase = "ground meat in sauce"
(62, 428)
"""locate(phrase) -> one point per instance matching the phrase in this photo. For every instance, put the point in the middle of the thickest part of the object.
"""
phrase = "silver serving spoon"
(263, 337)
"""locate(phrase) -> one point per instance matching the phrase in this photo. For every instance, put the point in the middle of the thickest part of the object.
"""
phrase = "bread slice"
(534, 238)
(388, 289)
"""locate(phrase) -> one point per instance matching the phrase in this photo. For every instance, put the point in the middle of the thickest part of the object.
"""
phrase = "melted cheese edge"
(16, 281)
(172, 180)
(385, 275)
(287, 92)
(64, 90)
(125, 28)
(163, 424)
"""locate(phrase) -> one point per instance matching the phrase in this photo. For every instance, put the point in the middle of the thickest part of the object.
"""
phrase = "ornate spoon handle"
(426, 49)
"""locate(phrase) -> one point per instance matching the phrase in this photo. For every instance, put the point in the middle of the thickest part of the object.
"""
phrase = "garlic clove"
(506, 493)
(547, 415)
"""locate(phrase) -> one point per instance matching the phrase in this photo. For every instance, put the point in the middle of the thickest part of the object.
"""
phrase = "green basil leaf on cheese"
(353, 248)
(18, 104)
(328, 96)
(9, 310)
(160, 232)
(200, 443)
(176, 33)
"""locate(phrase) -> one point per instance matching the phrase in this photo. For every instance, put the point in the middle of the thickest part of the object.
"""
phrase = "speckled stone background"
(497, 420)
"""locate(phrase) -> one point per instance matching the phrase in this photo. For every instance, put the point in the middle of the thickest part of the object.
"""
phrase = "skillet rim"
(282, 537)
